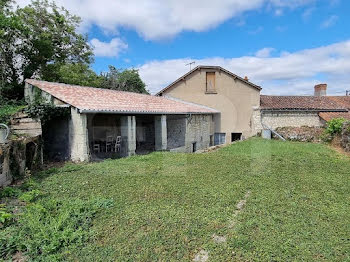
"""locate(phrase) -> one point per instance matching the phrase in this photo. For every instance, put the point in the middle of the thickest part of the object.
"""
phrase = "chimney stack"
(320, 90)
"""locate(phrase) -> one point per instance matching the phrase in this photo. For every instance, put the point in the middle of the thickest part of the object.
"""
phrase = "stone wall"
(5, 174)
(255, 124)
(176, 131)
(291, 119)
(17, 156)
(198, 130)
(345, 140)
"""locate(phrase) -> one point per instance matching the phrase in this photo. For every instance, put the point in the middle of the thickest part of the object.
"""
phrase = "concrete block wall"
(78, 137)
(291, 119)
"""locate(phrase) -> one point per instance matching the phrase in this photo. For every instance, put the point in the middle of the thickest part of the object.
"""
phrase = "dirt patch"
(218, 239)
(19, 257)
(202, 256)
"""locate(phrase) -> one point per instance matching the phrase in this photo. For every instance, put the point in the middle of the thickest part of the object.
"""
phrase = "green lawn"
(167, 207)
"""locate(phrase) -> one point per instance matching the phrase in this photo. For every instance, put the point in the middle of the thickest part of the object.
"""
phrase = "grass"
(7, 110)
(166, 206)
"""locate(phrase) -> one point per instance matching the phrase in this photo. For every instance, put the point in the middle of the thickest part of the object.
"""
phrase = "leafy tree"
(74, 74)
(36, 41)
(124, 80)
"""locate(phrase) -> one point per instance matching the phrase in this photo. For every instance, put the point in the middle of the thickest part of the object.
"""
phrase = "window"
(219, 138)
(236, 136)
(194, 147)
(211, 89)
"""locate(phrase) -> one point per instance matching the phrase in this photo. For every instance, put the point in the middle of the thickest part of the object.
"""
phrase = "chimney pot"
(320, 90)
(246, 78)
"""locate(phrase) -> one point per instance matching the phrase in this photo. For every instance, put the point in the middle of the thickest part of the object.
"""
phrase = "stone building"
(298, 111)
(105, 123)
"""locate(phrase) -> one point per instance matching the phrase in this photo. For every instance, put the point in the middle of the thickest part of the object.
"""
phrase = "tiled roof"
(91, 99)
(327, 116)
(341, 100)
(322, 103)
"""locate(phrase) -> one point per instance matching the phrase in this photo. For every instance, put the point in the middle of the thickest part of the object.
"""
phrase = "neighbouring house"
(236, 99)
(298, 111)
(105, 123)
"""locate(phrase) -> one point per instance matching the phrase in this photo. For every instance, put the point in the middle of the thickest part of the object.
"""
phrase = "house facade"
(237, 100)
(105, 123)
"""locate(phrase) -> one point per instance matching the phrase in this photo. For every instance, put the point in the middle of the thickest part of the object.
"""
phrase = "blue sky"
(286, 46)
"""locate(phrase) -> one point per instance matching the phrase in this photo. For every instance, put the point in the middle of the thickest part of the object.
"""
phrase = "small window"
(236, 136)
(211, 88)
(219, 138)
(194, 147)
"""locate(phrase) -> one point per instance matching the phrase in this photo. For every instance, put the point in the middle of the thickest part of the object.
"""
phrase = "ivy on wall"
(46, 112)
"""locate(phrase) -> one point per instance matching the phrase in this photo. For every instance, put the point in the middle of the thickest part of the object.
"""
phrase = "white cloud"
(105, 49)
(265, 52)
(329, 22)
(289, 73)
(159, 19)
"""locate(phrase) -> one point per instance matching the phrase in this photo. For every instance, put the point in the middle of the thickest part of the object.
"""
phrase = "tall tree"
(124, 80)
(74, 74)
(40, 39)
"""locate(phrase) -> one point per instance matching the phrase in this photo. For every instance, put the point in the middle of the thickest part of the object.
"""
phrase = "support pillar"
(128, 132)
(160, 127)
(78, 137)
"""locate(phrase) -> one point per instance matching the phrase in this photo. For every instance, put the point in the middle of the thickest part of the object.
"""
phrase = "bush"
(30, 196)
(5, 216)
(7, 110)
(335, 126)
(10, 192)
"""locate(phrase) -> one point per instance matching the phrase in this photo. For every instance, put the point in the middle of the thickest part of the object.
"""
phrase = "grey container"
(266, 134)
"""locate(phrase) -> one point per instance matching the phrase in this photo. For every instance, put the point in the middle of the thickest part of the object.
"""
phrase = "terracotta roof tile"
(301, 102)
(327, 116)
(106, 100)
(341, 100)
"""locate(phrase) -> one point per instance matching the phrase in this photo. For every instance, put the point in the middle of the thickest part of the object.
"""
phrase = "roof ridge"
(210, 67)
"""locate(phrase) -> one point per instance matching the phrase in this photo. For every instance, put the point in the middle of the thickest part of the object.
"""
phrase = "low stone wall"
(345, 140)
(301, 134)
